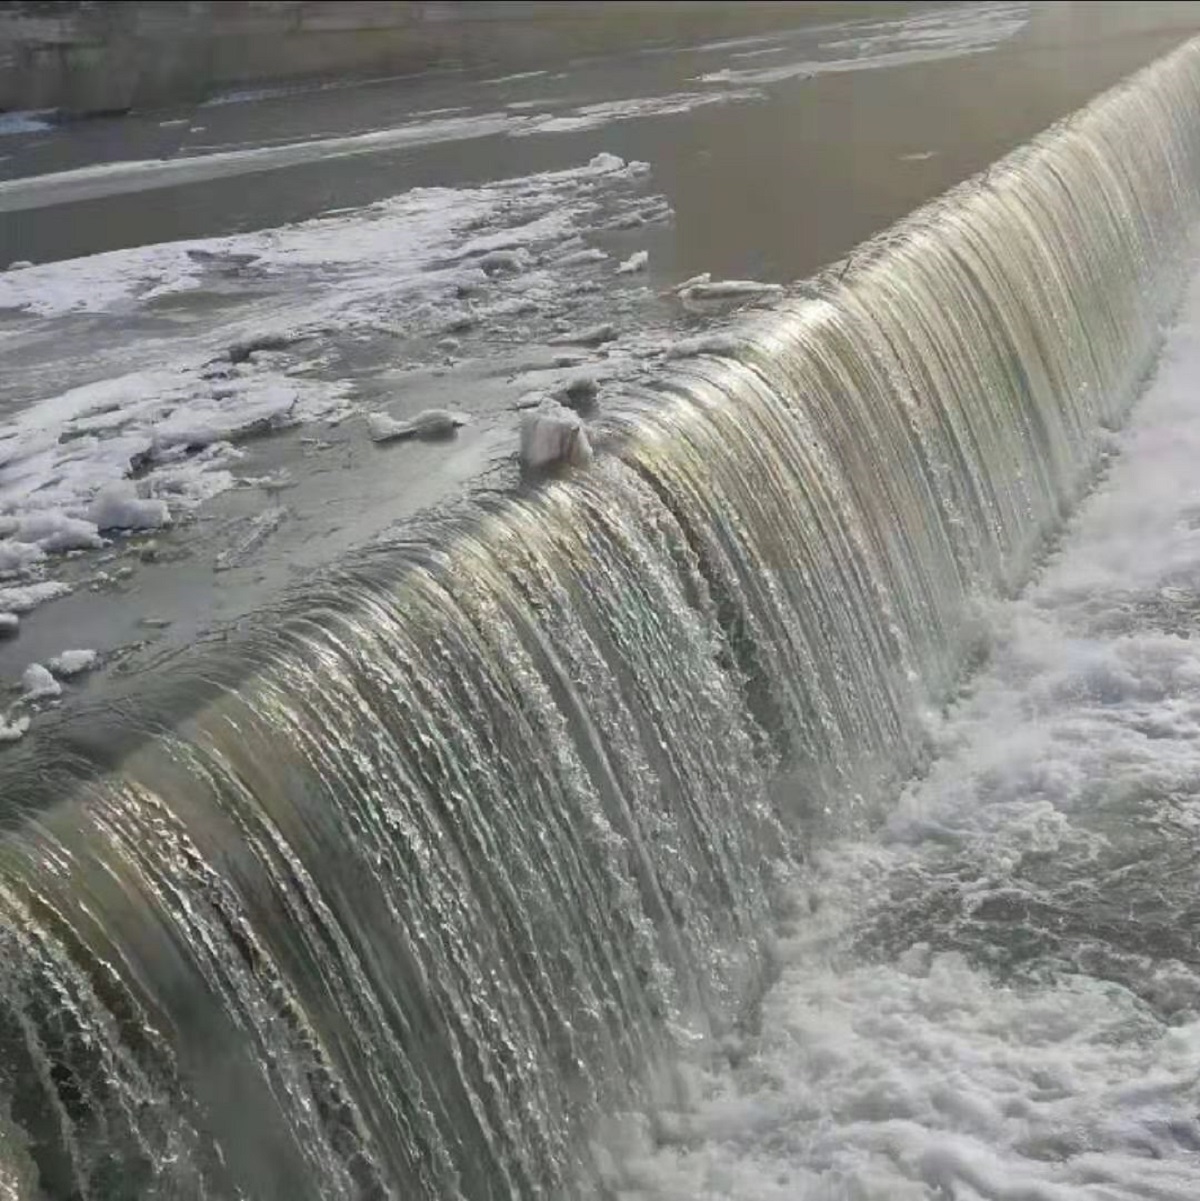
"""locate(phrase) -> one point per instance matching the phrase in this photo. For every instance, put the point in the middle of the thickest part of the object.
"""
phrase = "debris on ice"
(432, 423)
(551, 436)
(72, 663)
(39, 684)
(118, 507)
(635, 262)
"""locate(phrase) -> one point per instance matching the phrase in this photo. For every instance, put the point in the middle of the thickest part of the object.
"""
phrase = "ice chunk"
(703, 344)
(635, 262)
(604, 162)
(551, 436)
(240, 352)
(72, 663)
(54, 531)
(17, 558)
(432, 423)
(10, 623)
(595, 335)
(592, 254)
(39, 684)
(118, 507)
(23, 598)
(501, 262)
(580, 391)
(14, 730)
(706, 295)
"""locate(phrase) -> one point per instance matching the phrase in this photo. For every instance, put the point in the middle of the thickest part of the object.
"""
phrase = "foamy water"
(998, 996)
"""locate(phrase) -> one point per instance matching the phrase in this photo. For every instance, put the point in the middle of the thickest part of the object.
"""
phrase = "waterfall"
(462, 849)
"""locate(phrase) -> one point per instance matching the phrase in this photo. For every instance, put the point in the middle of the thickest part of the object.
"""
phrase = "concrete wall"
(94, 57)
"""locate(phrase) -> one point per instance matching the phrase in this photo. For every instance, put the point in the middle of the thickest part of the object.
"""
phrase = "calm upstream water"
(799, 802)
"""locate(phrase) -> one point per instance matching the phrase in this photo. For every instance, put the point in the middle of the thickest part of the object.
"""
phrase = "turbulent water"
(997, 995)
(488, 836)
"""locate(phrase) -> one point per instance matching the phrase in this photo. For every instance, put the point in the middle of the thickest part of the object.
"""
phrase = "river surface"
(768, 158)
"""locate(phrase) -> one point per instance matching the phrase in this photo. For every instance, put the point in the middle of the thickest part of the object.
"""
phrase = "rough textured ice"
(432, 423)
(39, 684)
(54, 531)
(73, 662)
(18, 558)
(635, 262)
(552, 436)
(712, 295)
(579, 392)
(703, 344)
(118, 507)
(13, 730)
(593, 335)
(21, 598)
